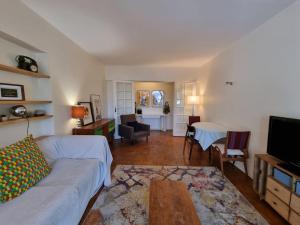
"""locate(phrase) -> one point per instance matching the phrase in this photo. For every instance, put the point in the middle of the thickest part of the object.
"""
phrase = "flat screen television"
(284, 142)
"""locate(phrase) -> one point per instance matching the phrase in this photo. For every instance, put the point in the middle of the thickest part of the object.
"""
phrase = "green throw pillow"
(22, 165)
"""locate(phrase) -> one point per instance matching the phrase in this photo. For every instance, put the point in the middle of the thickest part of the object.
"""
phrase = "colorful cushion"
(230, 152)
(22, 165)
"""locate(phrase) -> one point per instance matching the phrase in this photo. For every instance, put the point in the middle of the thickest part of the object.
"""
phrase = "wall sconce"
(229, 83)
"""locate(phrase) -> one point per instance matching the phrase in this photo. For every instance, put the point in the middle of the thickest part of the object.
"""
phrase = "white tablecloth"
(208, 133)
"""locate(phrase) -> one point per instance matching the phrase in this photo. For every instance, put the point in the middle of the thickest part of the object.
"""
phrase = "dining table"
(208, 133)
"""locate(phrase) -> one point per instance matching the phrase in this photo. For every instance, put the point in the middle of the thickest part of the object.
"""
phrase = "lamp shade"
(78, 112)
(193, 99)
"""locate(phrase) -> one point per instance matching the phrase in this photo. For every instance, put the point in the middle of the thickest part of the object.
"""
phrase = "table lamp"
(78, 112)
(193, 100)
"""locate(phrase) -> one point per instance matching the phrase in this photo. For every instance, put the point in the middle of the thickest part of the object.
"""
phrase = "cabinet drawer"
(294, 218)
(279, 190)
(295, 203)
(277, 204)
(99, 131)
(111, 126)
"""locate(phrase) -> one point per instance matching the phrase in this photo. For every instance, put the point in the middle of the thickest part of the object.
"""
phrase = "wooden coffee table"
(170, 203)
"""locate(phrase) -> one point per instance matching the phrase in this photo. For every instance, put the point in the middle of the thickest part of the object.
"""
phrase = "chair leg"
(147, 138)
(184, 144)
(245, 166)
(185, 139)
(209, 155)
(121, 140)
(221, 164)
(191, 149)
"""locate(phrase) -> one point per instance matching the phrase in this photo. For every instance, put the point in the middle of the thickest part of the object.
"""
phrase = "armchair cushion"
(143, 127)
(230, 152)
(133, 124)
(127, 118)
(126, 131)
(234, 152)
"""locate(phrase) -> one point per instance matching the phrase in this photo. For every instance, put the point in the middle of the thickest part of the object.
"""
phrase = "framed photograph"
(12, 92)
(158, 98)
(96, 107)
(88, 118)
(143, 98)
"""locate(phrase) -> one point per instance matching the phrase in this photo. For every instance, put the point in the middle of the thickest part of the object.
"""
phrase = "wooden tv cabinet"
(280, 197)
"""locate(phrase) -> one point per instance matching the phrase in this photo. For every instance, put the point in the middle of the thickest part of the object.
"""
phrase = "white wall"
(265, 69)
(151, 73)
(33, 88)
(74, 73)
(147, 73)
(168, 89)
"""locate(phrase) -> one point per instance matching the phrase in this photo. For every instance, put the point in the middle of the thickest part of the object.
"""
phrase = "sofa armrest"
(126, 131)
(78, 147)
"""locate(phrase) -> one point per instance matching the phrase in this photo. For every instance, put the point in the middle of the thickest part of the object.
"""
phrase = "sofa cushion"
(83, 174)
(60, 198)
(22, 165)
(42, 206)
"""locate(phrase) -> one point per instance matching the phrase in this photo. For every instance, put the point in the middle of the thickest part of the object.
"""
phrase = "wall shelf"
(15, 121)
(22, 72)
(26, 102)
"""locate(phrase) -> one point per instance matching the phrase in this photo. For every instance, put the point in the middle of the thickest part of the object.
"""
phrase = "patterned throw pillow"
(22, 165)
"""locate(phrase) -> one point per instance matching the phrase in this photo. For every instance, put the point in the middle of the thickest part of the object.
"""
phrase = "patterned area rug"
(216, 200)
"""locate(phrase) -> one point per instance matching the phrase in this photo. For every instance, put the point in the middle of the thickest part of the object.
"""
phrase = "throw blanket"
(79, 147)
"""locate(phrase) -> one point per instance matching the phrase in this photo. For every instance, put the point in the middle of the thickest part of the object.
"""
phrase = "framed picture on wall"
(88, 118)
(158, 97)
(12, 92)
(143, 98)
(96, 106)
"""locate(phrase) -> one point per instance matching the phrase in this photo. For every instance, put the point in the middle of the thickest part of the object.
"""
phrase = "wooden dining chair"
(194, 119)
(190, 139)
(234, 149)
(190, 133)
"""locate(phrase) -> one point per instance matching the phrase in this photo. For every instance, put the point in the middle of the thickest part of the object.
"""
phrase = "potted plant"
(166, 109)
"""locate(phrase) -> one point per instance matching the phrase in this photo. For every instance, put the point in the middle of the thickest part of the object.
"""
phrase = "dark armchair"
(131, 130)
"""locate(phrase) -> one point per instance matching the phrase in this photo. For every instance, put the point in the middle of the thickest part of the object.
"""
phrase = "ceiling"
(156, 32)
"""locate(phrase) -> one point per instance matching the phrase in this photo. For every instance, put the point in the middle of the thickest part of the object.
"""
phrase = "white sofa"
(80, 166)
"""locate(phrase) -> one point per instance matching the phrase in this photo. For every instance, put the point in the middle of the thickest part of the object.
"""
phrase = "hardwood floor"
(164, 149)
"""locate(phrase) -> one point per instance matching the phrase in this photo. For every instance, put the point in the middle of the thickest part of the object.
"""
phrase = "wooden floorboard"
(164, 149)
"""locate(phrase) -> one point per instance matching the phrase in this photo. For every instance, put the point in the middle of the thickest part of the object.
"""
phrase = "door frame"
(115, 102)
